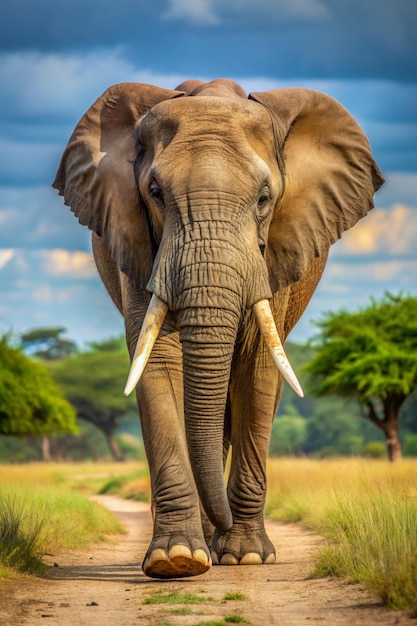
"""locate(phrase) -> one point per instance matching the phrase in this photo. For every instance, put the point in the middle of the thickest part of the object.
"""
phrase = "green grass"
(132, 486)
(234, 595)
(19, 535)
(176, 597)
(374, 541)
(184, 610)
(235, 619)
(35, 521)
(368, 512)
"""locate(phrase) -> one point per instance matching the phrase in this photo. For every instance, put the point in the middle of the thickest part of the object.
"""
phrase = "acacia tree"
(93, 381)
(370, 355)
(47, 343)
(30, 402)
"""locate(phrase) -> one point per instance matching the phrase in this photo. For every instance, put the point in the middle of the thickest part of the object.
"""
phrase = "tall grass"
(367, 509)
(368, 512)
(40, 515)
(19, 533)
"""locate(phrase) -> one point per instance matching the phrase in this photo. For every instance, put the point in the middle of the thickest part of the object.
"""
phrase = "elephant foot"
(243, 544)
(250, 558)
(178, 562)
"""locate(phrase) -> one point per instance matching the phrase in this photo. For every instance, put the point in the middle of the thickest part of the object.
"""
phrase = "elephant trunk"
(208, 337)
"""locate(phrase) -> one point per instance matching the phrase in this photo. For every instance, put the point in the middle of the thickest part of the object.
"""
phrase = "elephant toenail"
(251, 558)
(228, 559)
(200, 555)
(271, 558)
(180, 551)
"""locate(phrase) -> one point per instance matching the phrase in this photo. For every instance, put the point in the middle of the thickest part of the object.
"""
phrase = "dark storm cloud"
(310, 37)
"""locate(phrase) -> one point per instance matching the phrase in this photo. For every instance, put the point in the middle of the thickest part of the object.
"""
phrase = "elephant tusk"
(269, 331)
(151, 326)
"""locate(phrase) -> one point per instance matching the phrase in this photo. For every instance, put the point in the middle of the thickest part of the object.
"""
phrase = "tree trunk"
(390, 428)
(388, 423)
(114, 447)
(46, 449)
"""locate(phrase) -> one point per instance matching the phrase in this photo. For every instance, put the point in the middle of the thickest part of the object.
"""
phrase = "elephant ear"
(96, 175)
(329, 176)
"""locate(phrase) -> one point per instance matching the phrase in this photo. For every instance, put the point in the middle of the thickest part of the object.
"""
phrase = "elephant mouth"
(154, 319)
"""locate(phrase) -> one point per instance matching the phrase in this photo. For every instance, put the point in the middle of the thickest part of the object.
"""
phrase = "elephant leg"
(178, 547)
(253, 408)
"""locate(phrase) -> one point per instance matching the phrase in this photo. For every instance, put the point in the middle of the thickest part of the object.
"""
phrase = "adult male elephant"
(223, 207)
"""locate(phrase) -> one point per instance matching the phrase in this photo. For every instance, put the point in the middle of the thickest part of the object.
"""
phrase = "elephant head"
(213, 202)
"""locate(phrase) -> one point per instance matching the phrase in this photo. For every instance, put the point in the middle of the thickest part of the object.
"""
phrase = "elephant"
(212, 213)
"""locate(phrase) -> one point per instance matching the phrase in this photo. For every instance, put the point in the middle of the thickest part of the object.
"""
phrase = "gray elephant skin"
(212, 201)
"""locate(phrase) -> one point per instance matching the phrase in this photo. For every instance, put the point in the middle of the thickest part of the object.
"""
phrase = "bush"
(410, 445)
(375, 450)
(288, 435)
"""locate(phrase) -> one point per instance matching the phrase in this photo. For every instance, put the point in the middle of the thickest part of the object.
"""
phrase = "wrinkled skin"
(212, 201)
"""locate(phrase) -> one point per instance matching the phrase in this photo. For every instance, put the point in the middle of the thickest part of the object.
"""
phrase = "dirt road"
(105, 587)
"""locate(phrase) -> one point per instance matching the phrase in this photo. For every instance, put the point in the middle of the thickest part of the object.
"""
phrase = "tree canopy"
(93, 380)
(370, 355)
(30, 402)
(47, 343)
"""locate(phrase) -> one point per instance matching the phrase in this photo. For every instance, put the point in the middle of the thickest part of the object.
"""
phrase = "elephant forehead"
(201, 114)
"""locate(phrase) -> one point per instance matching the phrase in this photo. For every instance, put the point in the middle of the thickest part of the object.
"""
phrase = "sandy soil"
(105, 586)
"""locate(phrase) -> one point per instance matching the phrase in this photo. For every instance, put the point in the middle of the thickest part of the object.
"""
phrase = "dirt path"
(105, 587)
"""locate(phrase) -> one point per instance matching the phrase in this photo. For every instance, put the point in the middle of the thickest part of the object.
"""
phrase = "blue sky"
(56, 57)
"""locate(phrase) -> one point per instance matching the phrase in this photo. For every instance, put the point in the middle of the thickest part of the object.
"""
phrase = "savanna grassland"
(44, 509)
(367, 511)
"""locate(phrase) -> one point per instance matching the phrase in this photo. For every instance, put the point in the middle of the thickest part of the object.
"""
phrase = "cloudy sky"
(57, 56)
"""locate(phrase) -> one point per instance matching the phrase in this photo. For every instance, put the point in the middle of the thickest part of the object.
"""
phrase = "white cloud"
(55, 288)
(193, 11)
(383, 232)
(395, 274)
(60, 87)
(5, 256)
(211, 12)
(399, 187)
(27, 162)
(349, 286)
(76, 265)
(57, 85)
(283, 9)
(36, 217)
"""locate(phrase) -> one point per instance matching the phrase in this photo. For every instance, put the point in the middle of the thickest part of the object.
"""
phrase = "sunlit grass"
(176, 597)
(41, 512)
(234, 595)
(87, 477)
(132, 486)
(367, 510)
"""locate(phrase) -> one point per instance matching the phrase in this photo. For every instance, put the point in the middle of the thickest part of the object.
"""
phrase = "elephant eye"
(156, 194)
(263, 202)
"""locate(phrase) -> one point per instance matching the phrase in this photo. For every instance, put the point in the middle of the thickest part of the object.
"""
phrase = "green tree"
(47, 343)
(93, 380)
(288, 435)
(331, 431)
(370, 355)
(30, 402)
